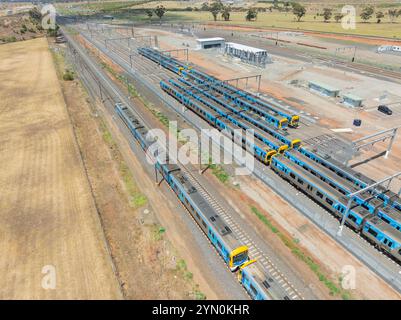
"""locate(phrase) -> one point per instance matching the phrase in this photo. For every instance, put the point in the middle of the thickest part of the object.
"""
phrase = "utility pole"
(353, 58)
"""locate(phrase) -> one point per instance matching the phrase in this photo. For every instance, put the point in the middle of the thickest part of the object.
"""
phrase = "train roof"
(392, 213)
(341, 166)
(208, 212)
(386, 228)
(258, 131)
(265, 281)
(202, 104)
(242, 98)
(350, 187)
(333, 193)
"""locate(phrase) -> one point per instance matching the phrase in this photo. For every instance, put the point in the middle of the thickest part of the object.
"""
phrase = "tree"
(367, 13)
(215, 9)
(286, 6)
(327, 13)
(205, 7)
(226, 13)
(160, 11)
(379, 16)
(298, 10)
(392, 14)
(338, 17)
(251, 14)
(149, 14)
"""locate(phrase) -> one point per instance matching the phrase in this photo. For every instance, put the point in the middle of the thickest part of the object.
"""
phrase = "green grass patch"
(292, 244)
(68, 75)
(136, 198)
(219, 172)
(181, 269)
(199, 295)
(158, 232)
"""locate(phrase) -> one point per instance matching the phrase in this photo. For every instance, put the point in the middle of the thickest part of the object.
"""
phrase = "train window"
(204, 224)
(385, 219)
(292, 175)
(197, 215)
(218, 244)
(385, 241)
(310, 187)
(329, 201)
(372, 232)
(192, 208)
(254, 291)
(319, 194)
(390, 244)
(300, 181)
(352, 217)
(266, 284)
(342, 191)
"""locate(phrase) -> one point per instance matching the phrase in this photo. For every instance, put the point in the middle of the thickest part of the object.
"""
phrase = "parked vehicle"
(384, 109)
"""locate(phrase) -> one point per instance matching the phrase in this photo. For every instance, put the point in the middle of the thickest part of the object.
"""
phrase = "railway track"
(254, 250)
(363, 68)
(391, 277)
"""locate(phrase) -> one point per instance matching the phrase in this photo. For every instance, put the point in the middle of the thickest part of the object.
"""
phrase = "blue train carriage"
(238, 135)
(236, 105)
(342, 185)
(390, 216)
(327, 197)
(237, 119)
(244, 110)
(259, 284)
(259, 123)
(271, 142)
(165, 61)
(345, 172)
(346, 181)
(215, 119)
(220, 235)
(383, 237)
(292, 119)
(396, 204)
(270, 116)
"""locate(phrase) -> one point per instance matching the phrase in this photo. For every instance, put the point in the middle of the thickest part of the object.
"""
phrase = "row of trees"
(159, 11)
(299, 11)
(369, 11)
(366, 14)
(217, 7)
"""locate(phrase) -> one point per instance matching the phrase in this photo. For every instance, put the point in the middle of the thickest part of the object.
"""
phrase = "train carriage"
(233, 252)
(329, 198)
(346, 187)
(383, 237)
(236, 119)
(220, 235)
(258, 283)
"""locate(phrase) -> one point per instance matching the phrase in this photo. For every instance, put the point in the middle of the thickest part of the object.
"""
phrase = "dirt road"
(51, 240)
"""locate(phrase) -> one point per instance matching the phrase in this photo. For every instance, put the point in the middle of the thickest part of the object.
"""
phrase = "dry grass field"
(47, 212)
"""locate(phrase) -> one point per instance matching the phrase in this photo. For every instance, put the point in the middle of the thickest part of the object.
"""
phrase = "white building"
(247, 54)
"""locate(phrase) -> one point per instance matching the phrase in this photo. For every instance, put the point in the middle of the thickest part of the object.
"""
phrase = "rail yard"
(295, 195)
